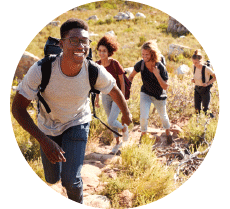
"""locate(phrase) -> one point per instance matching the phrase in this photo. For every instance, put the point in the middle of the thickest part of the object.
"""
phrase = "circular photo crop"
(115, 104)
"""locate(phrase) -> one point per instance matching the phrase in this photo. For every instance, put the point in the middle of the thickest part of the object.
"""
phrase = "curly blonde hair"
(153, 48)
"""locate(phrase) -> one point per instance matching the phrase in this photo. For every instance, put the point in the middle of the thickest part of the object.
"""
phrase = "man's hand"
(53, 151)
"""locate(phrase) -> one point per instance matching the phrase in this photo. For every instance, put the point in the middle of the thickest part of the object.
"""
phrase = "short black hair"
(72, 23)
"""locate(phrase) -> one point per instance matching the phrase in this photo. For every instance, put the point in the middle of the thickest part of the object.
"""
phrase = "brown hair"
(153, 48)
(110, 43)
(197, 55)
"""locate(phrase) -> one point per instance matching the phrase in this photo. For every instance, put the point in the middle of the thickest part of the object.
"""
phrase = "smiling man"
(63, 132)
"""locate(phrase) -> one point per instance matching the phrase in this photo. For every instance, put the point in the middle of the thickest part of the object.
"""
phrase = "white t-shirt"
(66, 96)
(198, 75)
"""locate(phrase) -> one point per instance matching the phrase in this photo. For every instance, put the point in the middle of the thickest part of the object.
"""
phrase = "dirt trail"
(98, 159)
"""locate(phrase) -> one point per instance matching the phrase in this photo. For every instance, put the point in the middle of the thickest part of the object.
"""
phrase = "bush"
(200, 128)
(142, 174)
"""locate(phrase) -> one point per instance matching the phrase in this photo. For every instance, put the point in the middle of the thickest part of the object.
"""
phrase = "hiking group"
(64, 111)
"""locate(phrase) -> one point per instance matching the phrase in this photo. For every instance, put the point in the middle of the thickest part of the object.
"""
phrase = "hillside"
(169, 166)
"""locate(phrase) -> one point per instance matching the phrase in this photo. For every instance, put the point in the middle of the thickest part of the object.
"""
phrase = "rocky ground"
(98, 159)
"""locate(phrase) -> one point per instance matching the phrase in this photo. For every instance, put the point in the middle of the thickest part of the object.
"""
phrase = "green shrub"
(142, 174)
(199, 128)
(142, 40)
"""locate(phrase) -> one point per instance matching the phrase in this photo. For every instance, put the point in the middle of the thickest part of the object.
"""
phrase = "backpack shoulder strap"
(142, 65)
(203, 73)
(46, 67)
(194, 69)
(93, 74)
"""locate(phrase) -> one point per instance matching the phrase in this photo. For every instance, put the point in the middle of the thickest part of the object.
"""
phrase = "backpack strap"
(142, 65)
(93, 74)
(203, 73)
(46, 67)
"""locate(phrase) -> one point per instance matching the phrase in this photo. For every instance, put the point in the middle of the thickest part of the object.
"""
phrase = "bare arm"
(132, 75)
(119, 99)
(163, 83)
(53, 152)
(122, 82)
(211, 81)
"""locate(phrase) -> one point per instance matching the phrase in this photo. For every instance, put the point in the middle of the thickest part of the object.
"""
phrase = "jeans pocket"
(79, 132)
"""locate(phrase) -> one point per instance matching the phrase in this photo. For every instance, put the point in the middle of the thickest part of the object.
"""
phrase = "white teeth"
(79, 54)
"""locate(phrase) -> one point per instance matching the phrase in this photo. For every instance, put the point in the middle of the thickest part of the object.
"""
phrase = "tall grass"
(140, 172)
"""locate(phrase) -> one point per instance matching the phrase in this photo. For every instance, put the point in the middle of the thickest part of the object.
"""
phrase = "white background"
(209, 23)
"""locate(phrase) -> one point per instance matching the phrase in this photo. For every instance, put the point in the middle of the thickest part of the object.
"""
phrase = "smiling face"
(72, 51)
(103, 52)
(197, 63)
(146, 55)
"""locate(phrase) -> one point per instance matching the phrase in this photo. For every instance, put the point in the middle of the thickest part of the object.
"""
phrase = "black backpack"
(52, 51)
(208, 63)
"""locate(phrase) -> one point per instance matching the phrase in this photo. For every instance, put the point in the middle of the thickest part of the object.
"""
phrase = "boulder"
(124, 16)
(175, 49)
(129, 70)
(54, 23)
(175, 27)
(126, 198)
(93, 17)
(183, 69)
(97, 201)
(110, 33)
(27, 60)
(140, 15)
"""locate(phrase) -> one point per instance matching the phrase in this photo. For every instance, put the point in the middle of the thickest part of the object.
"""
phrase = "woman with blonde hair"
(106, 47)
(203, 79)
(154, 77)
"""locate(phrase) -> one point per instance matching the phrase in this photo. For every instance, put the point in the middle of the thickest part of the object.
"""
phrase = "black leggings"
(202, 95)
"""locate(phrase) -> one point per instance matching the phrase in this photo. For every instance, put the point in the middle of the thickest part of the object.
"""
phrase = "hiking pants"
(160, 105)
(202, 96)
(73, 142)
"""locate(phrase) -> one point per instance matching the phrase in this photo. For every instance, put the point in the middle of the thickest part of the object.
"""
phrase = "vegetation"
(140, 171)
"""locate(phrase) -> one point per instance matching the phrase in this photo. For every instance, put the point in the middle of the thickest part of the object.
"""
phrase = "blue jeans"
(160, 105)
(112, 112)
(73, 142)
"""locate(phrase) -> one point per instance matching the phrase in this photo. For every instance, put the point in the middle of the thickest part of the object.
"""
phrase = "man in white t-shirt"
(63, 132)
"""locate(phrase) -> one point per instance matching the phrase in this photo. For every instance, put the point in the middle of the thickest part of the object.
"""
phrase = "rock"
(183, 69)
(124, 16)
(54, 23)
(104, 158)
(129, 70)
(126, 198)
(175, 27)
(175, 49)
(97, 201)
(141, 15)
(110, 33)
(176, 130)
(93, 17)
(92, 34)
(90, 177)
(27, 60)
